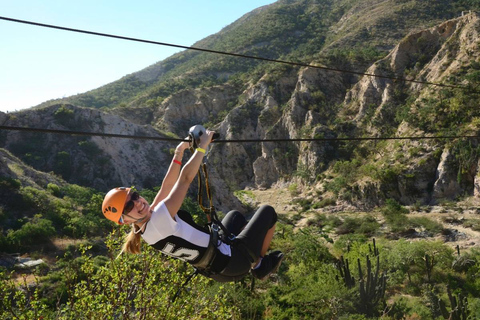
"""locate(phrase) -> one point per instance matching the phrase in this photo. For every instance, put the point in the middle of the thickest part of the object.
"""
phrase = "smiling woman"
(165, 227)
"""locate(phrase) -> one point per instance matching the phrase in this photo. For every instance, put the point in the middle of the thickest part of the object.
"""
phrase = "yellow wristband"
(201, 150)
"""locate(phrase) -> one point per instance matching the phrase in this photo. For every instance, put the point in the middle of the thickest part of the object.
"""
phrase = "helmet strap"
(140, 228)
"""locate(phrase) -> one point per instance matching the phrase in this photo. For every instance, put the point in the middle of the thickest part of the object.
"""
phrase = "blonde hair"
(132, 242)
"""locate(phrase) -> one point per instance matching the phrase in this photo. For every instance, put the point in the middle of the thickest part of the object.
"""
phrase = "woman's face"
(139, 210)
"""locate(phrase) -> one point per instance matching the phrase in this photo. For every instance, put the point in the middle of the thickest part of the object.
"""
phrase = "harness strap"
(206, 261)
(190, 277)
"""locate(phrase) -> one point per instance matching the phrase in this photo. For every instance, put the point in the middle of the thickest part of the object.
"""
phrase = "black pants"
(251, 234)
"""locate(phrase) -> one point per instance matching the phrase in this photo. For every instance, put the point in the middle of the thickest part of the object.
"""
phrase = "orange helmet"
(114, 202)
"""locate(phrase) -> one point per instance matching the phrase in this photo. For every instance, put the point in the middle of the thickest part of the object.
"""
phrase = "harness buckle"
(215, 227)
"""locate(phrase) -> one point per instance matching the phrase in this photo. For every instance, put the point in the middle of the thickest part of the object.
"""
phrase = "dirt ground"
(450, 216)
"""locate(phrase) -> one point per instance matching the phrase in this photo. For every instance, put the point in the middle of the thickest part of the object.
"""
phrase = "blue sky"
(38, 64)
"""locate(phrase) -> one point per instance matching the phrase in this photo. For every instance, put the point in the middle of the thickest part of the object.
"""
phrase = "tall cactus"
(344, 267)
(373, 251)
(372, 287)
(429, 264)
(372, 284)
(459, 307)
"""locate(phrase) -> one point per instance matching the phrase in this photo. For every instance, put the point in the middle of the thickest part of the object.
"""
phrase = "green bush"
(349, 225)
(54, 189)
(36, 231)
(408, 260)
(368, 227)
(392, 207)
(395, 215)
(131, 287)
(336, 184)
(305, 204)
(431, 226)
(324, 203)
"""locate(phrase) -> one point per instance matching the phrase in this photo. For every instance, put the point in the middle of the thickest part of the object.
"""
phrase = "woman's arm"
(172, 173)
(175, 198)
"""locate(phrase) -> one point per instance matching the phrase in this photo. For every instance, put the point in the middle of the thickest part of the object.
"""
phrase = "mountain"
(247, 99)
(344, 31)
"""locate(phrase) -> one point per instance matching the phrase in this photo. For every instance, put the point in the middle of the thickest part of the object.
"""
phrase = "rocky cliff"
(97, 162)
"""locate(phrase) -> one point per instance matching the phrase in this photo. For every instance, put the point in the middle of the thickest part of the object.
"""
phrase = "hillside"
(340, 32)
(277, 101)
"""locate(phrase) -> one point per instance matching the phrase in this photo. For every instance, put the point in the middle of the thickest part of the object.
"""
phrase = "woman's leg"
(253, 243)
(258, 235)
(266, 241)
(258, 232)
(234, 221)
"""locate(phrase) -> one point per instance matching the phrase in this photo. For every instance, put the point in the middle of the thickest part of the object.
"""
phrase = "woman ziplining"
(225, 251)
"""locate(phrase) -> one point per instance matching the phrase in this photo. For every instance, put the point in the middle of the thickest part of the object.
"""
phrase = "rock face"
(412, 53)
(302, 103)
(13, 168)
(446, 185)
(432, 55)
(193, 106)
(98, 162)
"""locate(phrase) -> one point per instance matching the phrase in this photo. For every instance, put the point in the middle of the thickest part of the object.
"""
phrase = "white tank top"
(181, 238)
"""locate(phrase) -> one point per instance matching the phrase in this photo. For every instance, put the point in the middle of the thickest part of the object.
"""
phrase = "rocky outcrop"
(92, 161)
(194, 106)
(427, 55)
(12, 167)
(3, 117)
(446, 185)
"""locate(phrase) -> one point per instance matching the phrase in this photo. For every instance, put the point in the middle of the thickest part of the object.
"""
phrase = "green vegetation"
(33, 216)
(130, 287)
(351, 277)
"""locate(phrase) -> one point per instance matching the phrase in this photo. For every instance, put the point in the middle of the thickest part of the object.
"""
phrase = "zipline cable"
(232, 54)
(93, 134)
(137, 137)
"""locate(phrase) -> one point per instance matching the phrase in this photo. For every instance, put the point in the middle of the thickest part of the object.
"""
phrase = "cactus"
(344, 268)
(371, 285)
(429, 264)
(459, 307)
(372, 289)
(375, 251)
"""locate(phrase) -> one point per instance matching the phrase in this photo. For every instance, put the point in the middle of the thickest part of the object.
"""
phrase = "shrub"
(324, 203)
(368, 227)
(37, 230)
(392, 207)
(431, 226)
(336, 185)
(394, 214)
(304, 203)
(54, 189)
(131, 287)
(64, 116)
(293, 188)
(349, 225)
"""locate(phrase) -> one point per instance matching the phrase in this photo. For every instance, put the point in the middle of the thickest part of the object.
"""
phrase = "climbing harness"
(213, 222)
